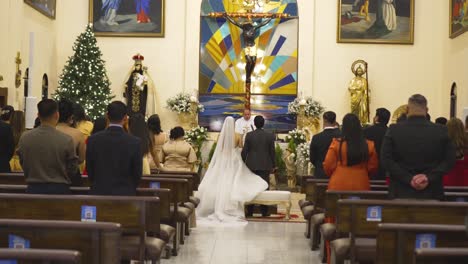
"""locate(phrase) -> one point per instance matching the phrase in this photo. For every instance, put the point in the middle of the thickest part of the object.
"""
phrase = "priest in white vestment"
(245, 124)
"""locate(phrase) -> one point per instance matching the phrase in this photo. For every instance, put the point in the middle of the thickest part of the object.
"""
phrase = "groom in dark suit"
(259, 155)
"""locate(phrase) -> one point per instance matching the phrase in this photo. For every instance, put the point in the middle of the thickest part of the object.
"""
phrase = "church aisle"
(258, 242)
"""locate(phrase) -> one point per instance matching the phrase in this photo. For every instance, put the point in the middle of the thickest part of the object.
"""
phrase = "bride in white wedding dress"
(228, 183)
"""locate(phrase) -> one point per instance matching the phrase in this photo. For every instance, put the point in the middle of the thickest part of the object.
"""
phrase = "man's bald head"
(247, 114)
(417, 105)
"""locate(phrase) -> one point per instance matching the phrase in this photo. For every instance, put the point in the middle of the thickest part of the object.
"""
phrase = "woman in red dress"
(458, 175)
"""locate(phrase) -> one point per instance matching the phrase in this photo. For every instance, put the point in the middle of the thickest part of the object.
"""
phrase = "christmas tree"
(84, 79)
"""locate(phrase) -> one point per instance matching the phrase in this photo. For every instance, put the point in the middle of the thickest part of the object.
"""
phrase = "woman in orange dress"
(351, 159)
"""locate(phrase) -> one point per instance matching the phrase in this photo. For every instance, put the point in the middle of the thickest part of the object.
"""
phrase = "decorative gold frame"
(458, 33)
(33, 5)
(376, 41)
(130, 34)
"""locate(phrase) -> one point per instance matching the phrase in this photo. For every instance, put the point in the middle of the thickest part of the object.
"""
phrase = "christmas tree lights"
(84, 79)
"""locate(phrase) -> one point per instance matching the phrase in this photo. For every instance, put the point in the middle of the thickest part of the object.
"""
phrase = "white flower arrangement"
(302, 151)
(297, 136)
(181, 103)
(196, 136)
(312, 108)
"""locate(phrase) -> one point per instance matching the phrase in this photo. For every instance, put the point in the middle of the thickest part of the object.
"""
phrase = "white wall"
(17, 20)
(395, 71)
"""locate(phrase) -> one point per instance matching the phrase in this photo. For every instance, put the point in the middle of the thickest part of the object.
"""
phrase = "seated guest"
(456, 133)
(113, 157)
(350, 159)
(159, 137)
(137, 127)
(178, 155)
(417, 154)
(442, 121)
(6, 113)
(81, 122)
(320, 143)
(376, 134)
(65, 126)
(48, 156)
(18, 126)
(7, 146)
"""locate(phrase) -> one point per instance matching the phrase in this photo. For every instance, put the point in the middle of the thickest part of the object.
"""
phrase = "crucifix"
(250, 32)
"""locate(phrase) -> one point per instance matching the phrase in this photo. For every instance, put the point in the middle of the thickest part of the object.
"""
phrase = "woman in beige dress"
(177, 154)
(137, 127)
(159, 138)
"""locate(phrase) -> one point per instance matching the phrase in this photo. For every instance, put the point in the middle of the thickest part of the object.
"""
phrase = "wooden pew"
(98, 242)
(440, 256)
(396, 243)
(137, 216)
(180, 195)
(167, 231)
(195, 176)
(352, 221)
(331, 206)
(41, 256)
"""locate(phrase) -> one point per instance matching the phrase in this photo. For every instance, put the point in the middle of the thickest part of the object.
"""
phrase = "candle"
(302, 102)
(193, 99)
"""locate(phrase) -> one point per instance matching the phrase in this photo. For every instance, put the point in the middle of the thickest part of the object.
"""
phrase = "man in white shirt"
(245, 124)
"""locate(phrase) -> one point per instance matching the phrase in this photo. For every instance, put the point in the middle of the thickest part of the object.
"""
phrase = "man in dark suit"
(376, 133)
(7, 146)
(417, 154)
(321, 142)
(114, 159)
(259, 155)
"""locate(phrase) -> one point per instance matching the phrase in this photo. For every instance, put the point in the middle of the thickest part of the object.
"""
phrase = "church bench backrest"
(137, 215)
(352, 214)
(332, 197)
(396, 243)
(178, 186)
(41, 256)
(195, 176)
(164, 196)
(440, 256)
(98, 242)
(189, 178)
(353, 219)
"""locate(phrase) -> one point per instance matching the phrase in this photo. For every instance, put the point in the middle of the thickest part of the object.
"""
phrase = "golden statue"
(358, 87)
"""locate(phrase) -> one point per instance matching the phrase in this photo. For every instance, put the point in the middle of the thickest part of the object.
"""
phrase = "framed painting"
(46, 7)
(458, 17)
(129, 18)
(376, 21)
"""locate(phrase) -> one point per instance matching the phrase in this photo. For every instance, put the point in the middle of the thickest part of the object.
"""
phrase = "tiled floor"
(263, 242)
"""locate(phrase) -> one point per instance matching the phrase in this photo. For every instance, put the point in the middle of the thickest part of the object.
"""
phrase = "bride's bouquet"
(182, 103)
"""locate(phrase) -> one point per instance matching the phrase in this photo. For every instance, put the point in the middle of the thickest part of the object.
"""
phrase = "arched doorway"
(453, 100)
(45, 86)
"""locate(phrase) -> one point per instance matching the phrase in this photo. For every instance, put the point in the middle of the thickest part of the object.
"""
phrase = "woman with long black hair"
(137, 127)
(350, 159)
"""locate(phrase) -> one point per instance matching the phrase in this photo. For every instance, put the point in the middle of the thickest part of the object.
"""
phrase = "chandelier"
(250, 5)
